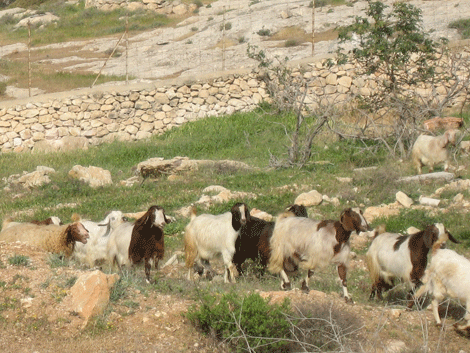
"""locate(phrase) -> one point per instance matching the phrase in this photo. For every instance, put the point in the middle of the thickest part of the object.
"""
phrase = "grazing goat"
(253, 241)
(207, 236)
(393, 255)
(52, 238)
(448, 275)
(95, 250)
(313, 244)
(147, 240)
(431, 150)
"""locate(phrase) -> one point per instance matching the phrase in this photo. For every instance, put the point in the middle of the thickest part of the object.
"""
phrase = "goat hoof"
(305, 288)
(348, 300)
(286, 286)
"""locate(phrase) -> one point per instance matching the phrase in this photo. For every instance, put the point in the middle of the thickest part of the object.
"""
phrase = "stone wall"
(136, 112)
(164, 7)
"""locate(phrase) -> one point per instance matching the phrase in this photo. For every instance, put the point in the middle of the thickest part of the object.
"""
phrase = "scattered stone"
(430, 176)
(404, 199)
(311, 198)
(93, 176)
(412, 230)
(428, 201)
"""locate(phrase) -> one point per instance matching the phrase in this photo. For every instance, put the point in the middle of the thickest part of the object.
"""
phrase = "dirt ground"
(33, 317)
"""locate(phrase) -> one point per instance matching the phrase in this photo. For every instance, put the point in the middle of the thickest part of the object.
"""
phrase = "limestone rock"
(93, 176)
(311, 198)
(89, 296)
(404, 199)
(373, 212)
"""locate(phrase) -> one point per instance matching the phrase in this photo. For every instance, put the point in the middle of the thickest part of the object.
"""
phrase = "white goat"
(432, 150)
(396, 256)
(207, 236)
(314, 244)
(448, 275)
(95, 249)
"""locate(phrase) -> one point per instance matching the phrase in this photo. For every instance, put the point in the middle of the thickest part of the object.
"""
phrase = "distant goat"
(8, 222)
(52, 238)
(432, 150)
(313, 244)
(147, 239)
(207, 236)
(254, 238)
(448, 275)
(393, 255)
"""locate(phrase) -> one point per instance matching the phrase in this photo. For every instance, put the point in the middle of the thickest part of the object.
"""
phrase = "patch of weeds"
(243, 320)
(8, 303)
(45, 284)
(227, 26)
(19, 260)
(3, 284)
(241, 40)
(99, 324)
(264, 32)
(194, 29)
(131, 304)
(70, 282)
(462, 26)
(291, 43)
(253, 2)
(2, 265)
(189, 41)
(57, 260)
(59, 293)
(210, 18)
(324, 326)
(36, 323)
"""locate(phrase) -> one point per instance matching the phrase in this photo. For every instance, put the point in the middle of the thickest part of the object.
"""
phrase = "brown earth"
(154, 323)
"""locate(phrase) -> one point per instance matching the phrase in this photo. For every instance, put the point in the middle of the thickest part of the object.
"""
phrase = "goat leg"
(342, 271)
(147, 270)
(305, 287)
(285, 283)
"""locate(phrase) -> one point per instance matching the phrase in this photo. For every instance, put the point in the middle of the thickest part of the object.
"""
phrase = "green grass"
(462, 26)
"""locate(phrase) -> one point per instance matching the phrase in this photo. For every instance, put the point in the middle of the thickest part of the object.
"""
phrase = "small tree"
(393, 46)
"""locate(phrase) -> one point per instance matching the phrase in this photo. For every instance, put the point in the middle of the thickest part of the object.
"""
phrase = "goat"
(52, 238)
(147, 239)
(393, 255)
(95, 249)
(448, 274)
(253, 241)
(432, 150)
(312, 244)
(207, 236)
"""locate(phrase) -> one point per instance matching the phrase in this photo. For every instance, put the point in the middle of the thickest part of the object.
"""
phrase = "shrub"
(245, 322)
(462, 26)
(227, 26)
(3, 88)
(264, 32)
(19, 260)
(291, 43)
(56, 260)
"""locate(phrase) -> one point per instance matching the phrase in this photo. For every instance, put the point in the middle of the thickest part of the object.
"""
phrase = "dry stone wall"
(130, 113)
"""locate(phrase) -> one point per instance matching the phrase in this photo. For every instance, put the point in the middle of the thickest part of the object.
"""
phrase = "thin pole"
(313, 27)
(29, 58)
(223, 42)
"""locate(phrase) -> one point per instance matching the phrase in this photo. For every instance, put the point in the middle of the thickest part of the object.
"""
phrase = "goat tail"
(193, 212)
(276, 261)
(373, 266)
(190, 249)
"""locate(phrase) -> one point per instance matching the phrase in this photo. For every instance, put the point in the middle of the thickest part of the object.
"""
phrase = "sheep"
(117, 247)
(52, 238)
(8, 222)
(392, 255)
(448, 274)
(147, 239)
(312, 244)
(95, 249)
(432, 150)
(253, 242)
(207, 236)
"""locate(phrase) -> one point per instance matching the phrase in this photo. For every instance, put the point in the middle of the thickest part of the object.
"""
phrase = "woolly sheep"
(313, 244)
(207, 236)
(432, 150)
(448, 275)
(52, 238)
(396, 256)
(8, 222)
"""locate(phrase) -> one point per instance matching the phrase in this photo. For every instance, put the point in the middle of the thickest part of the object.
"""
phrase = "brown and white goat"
(314, 244)
(207, 236)
(431, 150)
(147, 239)
(396, 256)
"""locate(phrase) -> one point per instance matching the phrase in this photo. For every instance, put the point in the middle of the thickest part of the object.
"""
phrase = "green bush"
(19, 260)
(462, 26)
(264, 32)
(243, 321)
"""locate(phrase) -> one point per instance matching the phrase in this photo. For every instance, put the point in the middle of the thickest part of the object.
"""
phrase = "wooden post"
(29, 58)
(313, 27)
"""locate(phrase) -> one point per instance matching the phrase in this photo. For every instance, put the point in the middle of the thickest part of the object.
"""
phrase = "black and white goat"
(396, 256)
(314, 244)
(207, 236)
(255, 235)
(147, 239)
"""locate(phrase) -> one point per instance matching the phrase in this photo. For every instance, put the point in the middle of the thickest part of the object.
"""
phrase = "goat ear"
(431, 234)
(446, 139)
(452, 239)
